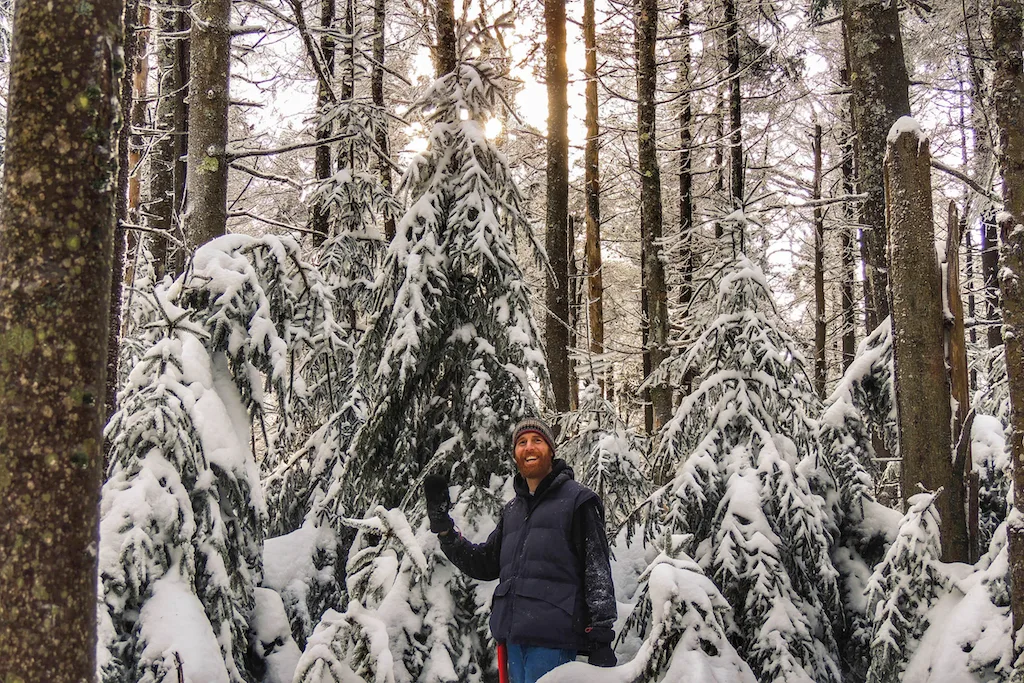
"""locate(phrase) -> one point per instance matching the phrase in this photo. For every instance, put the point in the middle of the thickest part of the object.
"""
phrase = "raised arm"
(479, 560)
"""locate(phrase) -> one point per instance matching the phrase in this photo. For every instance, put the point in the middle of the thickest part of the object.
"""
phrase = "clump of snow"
(272, 638)
(906, 124)
(178, 635)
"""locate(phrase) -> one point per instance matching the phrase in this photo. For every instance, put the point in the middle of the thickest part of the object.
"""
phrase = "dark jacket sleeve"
(592, 547)
(478, 560)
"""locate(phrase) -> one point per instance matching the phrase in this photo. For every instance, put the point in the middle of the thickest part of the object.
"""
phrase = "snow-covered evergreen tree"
(862, 526)
(992, 463)
(404, 621)
(690, 624)
(606, 455)
(902, 589)
(447, 362)
(183, 513)
(736, 454)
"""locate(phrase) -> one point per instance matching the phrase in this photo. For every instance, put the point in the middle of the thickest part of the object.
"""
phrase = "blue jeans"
(527, 663)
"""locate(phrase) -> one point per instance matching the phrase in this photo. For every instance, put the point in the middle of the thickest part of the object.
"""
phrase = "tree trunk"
(685, 161)
(322, 167)
(208, 96)
(971, 308)
(445, 57)
(56, 236)
(1008, 97)
(573, 281)
(170, 114)
(183, 51)
(377, 92)
(136, 54)
(126, 203)
(921, 382)
(847, 258)
(878, 76)
(719, 165)
(656, 310)
(732, 51)
(556, 241)
(820, 367)
(592, 185)
(959, 379)
(990, 275)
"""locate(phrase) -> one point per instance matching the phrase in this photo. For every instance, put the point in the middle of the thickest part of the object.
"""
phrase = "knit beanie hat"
(534, 424)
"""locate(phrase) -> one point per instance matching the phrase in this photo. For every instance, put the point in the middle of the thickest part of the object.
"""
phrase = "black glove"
(435, 488)
(601, 652)
(603, 655)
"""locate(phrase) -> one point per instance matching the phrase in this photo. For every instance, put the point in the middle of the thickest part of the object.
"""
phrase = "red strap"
(502, 663)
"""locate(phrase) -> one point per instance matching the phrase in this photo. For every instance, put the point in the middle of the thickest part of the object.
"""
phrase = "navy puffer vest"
(539, 599)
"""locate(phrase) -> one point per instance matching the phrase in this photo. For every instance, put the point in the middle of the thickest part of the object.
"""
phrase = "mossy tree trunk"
(208, 97)
(921, 381)
(1008, 97)
(56, 237)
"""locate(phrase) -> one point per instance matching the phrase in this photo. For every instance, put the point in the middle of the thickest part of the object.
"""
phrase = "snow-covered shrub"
(736, 454)
(404, 621)
(307, 569)
(993, 397)
(903, 587)
(274, 651)
(605, 454)
(992, 463)
(183, 515)
(690, 623)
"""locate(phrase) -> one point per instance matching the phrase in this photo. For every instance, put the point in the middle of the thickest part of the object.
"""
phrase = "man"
(555, 596)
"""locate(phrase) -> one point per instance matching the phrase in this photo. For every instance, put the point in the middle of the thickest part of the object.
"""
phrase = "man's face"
(533, 456)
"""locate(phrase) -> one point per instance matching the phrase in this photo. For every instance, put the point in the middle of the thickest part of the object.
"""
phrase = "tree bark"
(921, 382)
(959, 379)
(847, 259)
(56, 235)
(880, 89)
(556, 241)
(820, 367)
(322, 167)
(377, 93)
(732, 51)
(183, 52)
(990, 275)
(685, 161)
(719, 164)
(445, 57)
(170, 117)
(129, 147)
(1008, 97)
(592, 188)
(575, 306)
(656, 310)
(208, 96)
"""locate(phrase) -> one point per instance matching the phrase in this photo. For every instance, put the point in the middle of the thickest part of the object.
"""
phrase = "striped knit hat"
(534, 424)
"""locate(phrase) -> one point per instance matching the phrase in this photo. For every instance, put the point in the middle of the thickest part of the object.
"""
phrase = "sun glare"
(493, 128)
